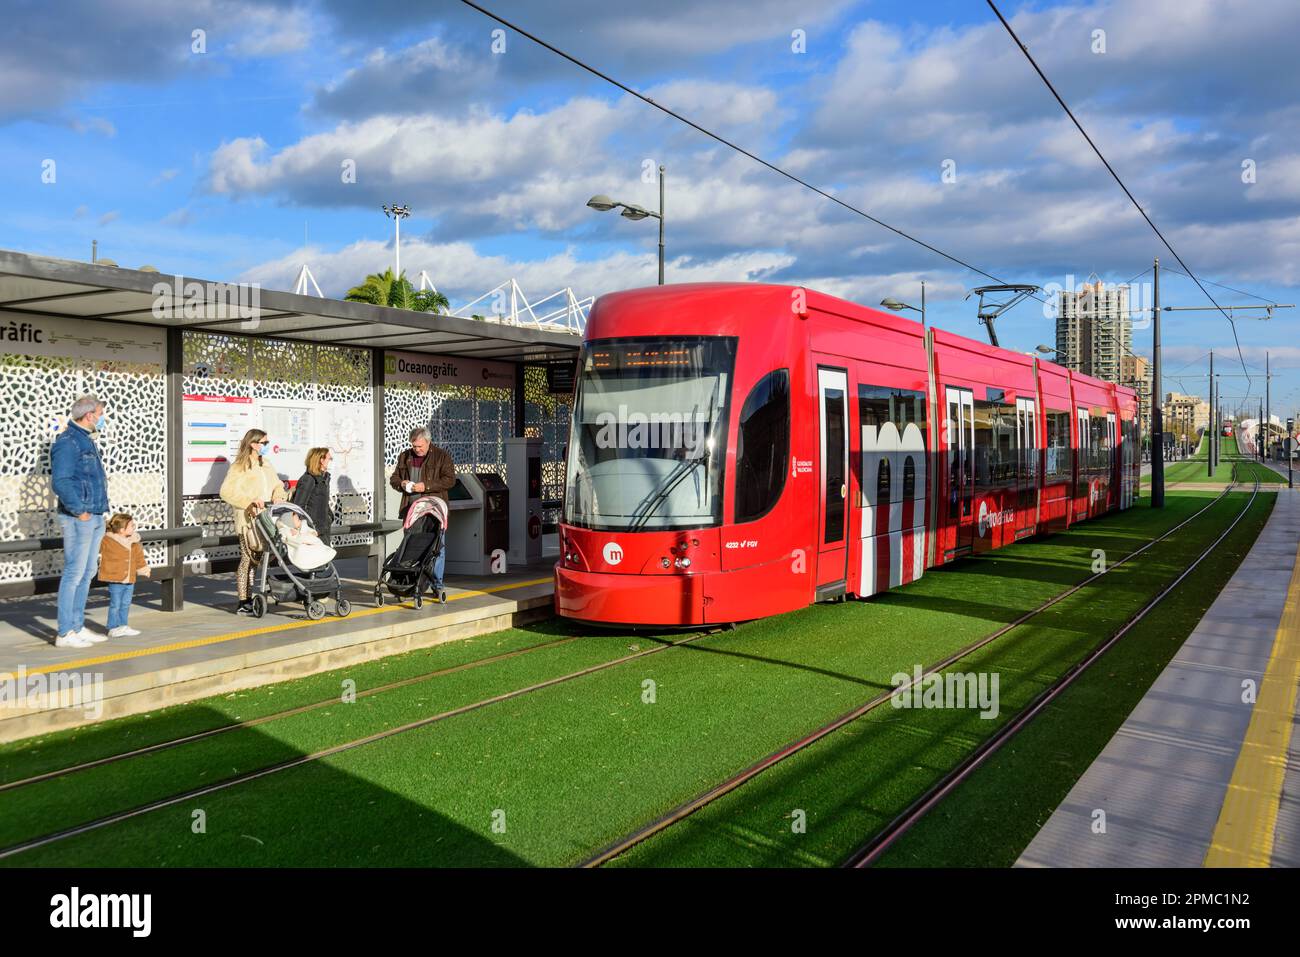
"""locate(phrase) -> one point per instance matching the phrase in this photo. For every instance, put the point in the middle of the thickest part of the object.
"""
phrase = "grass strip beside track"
(1196, 469)
(850, 785)
(547, 778)
(62, 749)
(60, 803)
(1033, 776)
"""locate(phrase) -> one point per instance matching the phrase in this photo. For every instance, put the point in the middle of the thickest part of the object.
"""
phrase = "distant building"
(1186, 415)
(1093, 329)
(1136, 372)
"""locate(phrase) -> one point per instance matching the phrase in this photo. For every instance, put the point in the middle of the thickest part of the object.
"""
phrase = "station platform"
(207, 649)
(1198, 774)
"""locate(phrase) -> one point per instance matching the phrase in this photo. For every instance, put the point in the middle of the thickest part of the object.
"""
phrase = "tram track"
(276, 716)
(713, 794)
(300, 760)
(871, 850)
(322, 753)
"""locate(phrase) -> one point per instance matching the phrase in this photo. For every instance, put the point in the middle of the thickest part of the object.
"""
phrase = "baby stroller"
(409, 570)
(286, 582)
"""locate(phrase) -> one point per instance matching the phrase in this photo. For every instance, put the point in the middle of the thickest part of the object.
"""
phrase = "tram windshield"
(648, 441)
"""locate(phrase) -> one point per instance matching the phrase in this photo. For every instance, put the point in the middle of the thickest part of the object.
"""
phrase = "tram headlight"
(664, 562)
(682, 562)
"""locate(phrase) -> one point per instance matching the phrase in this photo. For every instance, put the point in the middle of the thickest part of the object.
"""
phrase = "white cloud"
(270, 31)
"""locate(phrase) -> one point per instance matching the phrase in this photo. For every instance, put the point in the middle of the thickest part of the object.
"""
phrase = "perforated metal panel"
(471, 422)
(547, 416)
(38, 392)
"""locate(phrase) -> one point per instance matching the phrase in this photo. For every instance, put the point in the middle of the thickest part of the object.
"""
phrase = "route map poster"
(213, 425)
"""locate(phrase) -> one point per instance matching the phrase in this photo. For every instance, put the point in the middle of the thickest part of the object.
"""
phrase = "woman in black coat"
(312, 493)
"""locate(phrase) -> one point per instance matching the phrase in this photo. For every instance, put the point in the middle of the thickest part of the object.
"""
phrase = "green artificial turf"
(1196, 469)
(60, 802)
(991, 817)
(547, 778)
(61, 749)
(850, 784)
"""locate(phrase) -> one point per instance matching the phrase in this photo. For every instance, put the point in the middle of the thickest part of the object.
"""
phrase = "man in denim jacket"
(78, 478)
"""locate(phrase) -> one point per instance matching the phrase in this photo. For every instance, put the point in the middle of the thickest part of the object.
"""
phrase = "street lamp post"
(604, 204)
(898, 306)
(397, 214)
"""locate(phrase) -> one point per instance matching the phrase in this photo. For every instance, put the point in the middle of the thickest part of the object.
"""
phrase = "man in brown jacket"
(423, 469)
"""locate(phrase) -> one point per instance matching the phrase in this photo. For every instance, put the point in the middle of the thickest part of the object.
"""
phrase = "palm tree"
(382, 289)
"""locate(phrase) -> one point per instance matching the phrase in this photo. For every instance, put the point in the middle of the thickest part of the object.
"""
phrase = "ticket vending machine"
(496, 513)
(477, 522)
(524, 466)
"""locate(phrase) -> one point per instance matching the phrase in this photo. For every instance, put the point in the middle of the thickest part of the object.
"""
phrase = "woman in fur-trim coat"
(249, 485)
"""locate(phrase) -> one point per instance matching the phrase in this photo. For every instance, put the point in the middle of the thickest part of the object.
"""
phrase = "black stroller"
(409, 570)
(285, 582)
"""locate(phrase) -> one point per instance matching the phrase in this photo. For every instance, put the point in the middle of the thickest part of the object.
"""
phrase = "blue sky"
(218, 163)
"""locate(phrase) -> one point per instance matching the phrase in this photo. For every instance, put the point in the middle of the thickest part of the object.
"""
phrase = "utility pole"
(1157, 413)
(1209, 428)
(661, 224)
(1268, 396)
(1217, 426)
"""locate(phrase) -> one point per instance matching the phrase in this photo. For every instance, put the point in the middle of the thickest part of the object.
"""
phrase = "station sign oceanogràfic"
(431, 370)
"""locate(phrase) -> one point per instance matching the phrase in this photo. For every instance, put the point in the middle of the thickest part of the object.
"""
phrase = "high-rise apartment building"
(1093, 329)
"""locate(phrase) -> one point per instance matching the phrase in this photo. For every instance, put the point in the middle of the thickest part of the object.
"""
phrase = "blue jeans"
(80, 562)
(440, 563)
(119, 603)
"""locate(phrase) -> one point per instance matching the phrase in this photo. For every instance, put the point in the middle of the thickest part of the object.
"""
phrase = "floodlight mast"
(1001, 298)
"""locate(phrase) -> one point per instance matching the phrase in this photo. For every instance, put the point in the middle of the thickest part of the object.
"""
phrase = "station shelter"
(185, 366)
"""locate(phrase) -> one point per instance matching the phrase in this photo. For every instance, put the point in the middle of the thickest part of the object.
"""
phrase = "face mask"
(263, 447)
(99, 423)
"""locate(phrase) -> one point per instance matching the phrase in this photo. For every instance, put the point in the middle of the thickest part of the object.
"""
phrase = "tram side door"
(1027, 433)
(1083, 468)
(1112, 466)
(833, 510)
(961, 466)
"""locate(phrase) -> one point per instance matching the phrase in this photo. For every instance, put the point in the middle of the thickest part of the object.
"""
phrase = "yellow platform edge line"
(1243, 835)
(250, 632)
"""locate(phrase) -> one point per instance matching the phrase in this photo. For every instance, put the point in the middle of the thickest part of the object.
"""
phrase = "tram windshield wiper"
(682, 469)
(665, 488)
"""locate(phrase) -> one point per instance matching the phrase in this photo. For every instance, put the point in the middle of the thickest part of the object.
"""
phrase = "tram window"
(1099, 443)
(1060, 454)
(833, 416)
(879, 406)
(954, 465)
(763, 446)
(996, 445)
(909, 478)
(883, 483)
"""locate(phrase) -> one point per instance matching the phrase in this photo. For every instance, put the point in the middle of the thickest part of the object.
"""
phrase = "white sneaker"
(85, 634)
(122, 631)
(72, 639)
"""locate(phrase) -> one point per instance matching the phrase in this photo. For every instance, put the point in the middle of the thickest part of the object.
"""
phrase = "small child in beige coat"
(121, 560)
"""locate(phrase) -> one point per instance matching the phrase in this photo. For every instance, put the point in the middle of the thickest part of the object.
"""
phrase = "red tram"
(742, 450)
